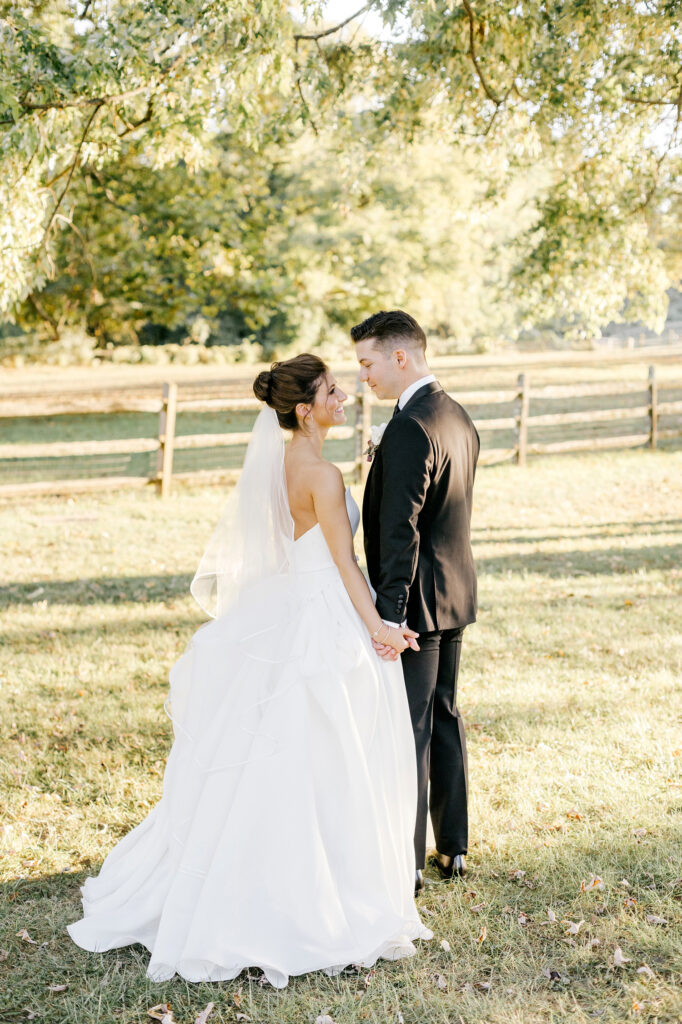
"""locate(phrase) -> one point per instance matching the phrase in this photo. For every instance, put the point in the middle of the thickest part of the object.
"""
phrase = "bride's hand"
(397, 640)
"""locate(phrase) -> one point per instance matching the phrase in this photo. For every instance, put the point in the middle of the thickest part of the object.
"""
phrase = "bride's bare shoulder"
(315, 475)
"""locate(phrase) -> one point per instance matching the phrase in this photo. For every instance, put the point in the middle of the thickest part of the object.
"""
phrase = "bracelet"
(384, 625)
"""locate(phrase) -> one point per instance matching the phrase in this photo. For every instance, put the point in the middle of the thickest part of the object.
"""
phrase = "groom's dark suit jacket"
(416, 514)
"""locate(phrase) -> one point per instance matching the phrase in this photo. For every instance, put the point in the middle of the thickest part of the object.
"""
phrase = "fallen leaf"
(482, 986)
(162, 1012)
(399, 1019)
(637, 1007)
(324, 1019)
(630, 903)
(205, 1014)
(477, 908)
(444, 944)
(518, 875)
(655, 919)
(429, 913)
(3, 955)
(640, 833)
(573, 927)
(551, 915)
(575, 815)
(369, 978)
(552, 974)
(30, 1014)
(482, 934)
(646, 971)
(242, 1016)
(23, 934)
(237, 999)
(594, 882)
(441, 982)
(595, 942)
(522, 919)
(57, 988)
(619, 959)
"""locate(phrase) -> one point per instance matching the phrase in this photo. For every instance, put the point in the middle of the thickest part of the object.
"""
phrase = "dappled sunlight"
(569, 687)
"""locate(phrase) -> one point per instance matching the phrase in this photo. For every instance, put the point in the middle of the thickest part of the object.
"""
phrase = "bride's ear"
(303, 411)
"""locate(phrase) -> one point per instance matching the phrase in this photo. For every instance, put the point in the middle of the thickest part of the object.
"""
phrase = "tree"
(80, 81)
(585, 94)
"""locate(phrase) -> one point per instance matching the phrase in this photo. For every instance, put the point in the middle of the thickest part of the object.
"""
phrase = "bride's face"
(328, 408)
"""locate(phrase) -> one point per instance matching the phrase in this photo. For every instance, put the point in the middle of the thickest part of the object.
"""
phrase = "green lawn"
(570, 687)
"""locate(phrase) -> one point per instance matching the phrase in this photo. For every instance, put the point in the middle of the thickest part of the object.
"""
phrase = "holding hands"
(390, 641)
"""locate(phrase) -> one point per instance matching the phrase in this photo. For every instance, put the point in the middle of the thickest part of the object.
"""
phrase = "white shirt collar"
(413, 388)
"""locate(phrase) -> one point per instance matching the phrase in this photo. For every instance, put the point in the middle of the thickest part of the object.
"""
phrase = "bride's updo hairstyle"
(286, 384)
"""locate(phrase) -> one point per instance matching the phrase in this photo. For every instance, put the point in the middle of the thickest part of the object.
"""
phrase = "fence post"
(164, 469)
(522, 419)
(357, 424)
(363, 425)
(653, 408)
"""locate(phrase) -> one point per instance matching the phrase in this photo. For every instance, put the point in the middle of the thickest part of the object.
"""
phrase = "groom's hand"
(387, 653)
(410, 638)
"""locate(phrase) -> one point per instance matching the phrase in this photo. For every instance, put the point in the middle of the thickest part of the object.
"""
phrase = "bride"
(284, 836)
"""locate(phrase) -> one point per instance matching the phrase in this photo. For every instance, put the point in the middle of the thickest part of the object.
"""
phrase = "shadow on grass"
(98, 590)
(160, 587)
(116, 979)
(610, 531)
(577, 562)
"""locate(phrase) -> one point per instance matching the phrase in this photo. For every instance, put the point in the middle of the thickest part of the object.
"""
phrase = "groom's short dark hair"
(389, 328)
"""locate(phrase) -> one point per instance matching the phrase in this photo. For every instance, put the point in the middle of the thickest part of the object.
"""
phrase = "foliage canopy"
(233, 167)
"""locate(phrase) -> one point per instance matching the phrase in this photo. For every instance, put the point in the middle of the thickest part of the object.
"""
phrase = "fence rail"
(510, 437)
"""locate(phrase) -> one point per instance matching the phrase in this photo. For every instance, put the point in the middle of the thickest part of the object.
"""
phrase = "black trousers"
(431, 683)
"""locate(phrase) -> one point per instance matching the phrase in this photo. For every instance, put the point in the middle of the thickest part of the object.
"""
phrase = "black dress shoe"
(418, 881)
(452, 867)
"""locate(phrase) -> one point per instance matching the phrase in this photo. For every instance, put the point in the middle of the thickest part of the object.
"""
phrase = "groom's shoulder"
(436, 408)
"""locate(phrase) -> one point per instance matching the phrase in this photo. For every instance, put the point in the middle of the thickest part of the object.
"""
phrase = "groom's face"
(379, 368)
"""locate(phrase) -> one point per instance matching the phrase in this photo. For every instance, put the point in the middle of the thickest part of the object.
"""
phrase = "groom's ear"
(400, 356)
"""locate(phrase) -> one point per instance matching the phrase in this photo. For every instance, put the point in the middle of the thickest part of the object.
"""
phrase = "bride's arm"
(329, 500)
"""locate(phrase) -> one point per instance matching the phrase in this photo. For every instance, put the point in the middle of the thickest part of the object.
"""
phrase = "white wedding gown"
(284, 836)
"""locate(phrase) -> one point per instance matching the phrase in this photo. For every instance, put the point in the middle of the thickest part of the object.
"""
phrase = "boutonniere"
(375, 436)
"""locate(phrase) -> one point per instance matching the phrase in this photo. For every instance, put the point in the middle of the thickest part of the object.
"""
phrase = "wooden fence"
(513, 436)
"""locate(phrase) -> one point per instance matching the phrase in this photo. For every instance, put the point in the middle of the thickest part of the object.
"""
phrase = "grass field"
(570, 688)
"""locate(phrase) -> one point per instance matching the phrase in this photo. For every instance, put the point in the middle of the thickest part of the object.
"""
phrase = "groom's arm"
(407, 460)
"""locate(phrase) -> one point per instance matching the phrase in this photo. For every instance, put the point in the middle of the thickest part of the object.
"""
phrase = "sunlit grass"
(570, 688)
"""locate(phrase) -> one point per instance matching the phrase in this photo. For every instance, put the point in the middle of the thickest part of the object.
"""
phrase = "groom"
(416, 520)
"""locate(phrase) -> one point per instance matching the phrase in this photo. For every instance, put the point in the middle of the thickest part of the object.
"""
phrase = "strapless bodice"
(310, 551)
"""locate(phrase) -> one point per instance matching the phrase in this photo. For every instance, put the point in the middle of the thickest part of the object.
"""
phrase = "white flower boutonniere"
(375, 436)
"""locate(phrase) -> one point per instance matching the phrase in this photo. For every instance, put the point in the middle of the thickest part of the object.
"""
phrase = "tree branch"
(651, 102)
(330, 31)
(44, 315)
(497, 100)
(98, 101)
(71, 172)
